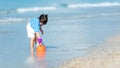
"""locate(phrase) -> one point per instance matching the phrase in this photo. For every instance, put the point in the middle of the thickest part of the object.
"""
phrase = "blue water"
(72, 29)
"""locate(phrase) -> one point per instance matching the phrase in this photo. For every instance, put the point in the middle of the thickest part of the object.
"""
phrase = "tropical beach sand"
(106, 55)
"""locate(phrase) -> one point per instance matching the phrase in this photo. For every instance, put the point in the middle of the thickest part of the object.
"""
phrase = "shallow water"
(63, 39)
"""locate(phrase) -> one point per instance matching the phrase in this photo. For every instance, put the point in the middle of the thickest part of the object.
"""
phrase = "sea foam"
(34, 9)
(13, 20)
(87, 5)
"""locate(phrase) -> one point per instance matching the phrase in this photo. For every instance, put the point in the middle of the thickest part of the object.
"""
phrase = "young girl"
(33, 28)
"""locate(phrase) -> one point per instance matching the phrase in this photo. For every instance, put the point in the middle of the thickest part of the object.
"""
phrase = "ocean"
(72, 29)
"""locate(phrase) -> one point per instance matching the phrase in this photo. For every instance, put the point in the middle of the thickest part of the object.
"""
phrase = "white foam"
(86, 5)
(8, 20)
(34, 9)
(3, 12)
(76, 17)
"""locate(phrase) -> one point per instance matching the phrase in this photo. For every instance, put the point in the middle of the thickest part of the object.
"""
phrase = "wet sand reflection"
(38, 60)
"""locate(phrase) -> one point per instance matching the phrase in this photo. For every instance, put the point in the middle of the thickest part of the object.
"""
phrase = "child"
(33, 28)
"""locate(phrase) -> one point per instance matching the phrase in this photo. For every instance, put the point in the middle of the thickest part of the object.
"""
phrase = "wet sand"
(105, 55)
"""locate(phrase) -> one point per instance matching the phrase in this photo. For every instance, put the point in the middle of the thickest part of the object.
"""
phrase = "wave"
(7, 11)
(34, 9)
(12, 20)
(62, 18)
(87, 5)
(25, 10)
(78, 17)
(49, 8)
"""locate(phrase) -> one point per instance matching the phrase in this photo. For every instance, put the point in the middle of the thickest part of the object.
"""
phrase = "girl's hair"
(43, 18)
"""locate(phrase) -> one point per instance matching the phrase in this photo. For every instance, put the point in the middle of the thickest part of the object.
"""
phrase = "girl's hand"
(39, 40)
(40, 44)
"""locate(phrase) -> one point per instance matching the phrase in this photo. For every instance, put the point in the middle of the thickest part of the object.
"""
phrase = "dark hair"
(43, 18)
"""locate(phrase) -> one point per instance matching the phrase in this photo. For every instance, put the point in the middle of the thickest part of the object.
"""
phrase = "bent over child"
(33, 28)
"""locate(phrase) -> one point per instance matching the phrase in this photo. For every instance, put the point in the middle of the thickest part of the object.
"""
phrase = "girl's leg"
(36, 42)
(32, 42)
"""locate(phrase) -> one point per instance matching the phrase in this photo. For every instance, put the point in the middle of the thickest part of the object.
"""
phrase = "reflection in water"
(38, 60)
(31, 62)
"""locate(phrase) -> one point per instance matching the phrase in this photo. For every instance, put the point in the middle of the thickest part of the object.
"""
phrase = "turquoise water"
(73, 28)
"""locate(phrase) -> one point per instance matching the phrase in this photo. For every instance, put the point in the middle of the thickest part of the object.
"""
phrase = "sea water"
(73, 27)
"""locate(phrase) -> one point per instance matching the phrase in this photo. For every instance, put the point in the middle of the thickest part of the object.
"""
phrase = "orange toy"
(40, 51)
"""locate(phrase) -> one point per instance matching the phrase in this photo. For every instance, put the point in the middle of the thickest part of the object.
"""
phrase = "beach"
(79, 34)
(106, 55)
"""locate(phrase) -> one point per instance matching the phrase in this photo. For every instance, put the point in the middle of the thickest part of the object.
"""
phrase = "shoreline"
(106, 55)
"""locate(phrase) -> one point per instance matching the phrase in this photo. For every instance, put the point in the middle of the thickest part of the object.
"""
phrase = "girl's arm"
(41, 30)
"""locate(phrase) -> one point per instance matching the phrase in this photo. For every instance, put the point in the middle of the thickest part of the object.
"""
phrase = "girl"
(33, 28)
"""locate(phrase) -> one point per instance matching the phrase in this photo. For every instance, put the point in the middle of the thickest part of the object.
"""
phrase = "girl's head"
(43, 19)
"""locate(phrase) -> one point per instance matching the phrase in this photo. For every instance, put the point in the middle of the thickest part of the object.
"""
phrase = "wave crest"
(75, 17)
(86, 5)
(34, 9)
(11, 20)
(49, 8)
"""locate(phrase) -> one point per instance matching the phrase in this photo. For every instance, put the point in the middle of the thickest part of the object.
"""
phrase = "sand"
(106, 55)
